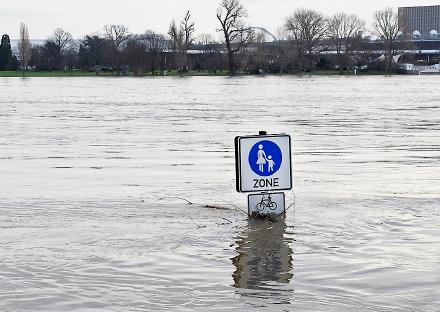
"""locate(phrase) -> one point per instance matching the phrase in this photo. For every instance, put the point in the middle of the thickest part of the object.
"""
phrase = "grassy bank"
(175, 73)
(78, 73)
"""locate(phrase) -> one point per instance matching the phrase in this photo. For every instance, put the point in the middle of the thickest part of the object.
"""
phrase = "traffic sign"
(263, 163)
(266, 203)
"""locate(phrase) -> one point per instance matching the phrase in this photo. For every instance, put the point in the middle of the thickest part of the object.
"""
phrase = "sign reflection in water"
(264, 255)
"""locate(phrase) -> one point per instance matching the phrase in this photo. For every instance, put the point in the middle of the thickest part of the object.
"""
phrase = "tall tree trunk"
(232, 70)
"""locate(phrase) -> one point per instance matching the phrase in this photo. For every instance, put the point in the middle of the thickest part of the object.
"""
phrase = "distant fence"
(430, 68)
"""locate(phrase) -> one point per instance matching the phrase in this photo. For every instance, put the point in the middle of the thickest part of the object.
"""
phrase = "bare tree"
(362, 51)
(24, 47)
(157, 45)
(206, 41)
(60, 41)
(71, 57)
(282, 47)
(306, 28)
(344, 30)
(230, 15)
(182, 38)
(135, 54)
(386, 28)
(116, 35)
(262, 51)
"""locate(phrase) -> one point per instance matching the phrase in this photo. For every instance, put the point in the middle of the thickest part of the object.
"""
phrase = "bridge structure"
(266, 31)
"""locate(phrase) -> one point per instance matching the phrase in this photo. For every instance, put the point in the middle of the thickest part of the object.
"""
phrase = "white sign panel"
(263, 163)
(266, 203)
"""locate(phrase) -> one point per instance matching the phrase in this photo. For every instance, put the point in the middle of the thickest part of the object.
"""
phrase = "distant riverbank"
(78, 73)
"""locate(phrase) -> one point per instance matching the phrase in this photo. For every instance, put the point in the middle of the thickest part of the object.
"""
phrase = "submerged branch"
(190, 203)
(236, 207)
(198, 226)
(217, 207)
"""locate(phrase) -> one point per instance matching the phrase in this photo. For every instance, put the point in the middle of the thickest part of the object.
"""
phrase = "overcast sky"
(85, 17)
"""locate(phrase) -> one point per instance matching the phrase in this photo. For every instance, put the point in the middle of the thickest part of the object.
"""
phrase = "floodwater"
(105, 182)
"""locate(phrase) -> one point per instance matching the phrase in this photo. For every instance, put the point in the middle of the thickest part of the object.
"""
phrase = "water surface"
(97, 177)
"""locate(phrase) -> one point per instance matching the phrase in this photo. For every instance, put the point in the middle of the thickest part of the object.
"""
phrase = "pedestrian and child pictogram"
(265, 158)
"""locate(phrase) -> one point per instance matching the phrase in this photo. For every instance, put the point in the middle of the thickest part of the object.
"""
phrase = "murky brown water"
(96, 174)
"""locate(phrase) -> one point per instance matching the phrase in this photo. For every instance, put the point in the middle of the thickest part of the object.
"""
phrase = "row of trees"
(307, 33)
(303, 39)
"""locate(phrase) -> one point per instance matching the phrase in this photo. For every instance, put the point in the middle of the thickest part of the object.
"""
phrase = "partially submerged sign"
(266, 204)
(263, 163)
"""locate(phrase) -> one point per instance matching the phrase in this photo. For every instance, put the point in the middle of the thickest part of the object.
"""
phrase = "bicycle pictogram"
(266, 203)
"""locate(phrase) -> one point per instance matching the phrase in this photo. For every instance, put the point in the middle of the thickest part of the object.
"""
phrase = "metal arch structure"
(266, 31)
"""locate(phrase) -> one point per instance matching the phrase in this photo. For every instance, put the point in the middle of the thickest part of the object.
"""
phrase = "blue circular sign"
(265, 158)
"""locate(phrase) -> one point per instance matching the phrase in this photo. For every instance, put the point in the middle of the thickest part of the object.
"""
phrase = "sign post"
(263, 164)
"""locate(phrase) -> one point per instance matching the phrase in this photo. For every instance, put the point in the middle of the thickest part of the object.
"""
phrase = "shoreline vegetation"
(173, 73)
